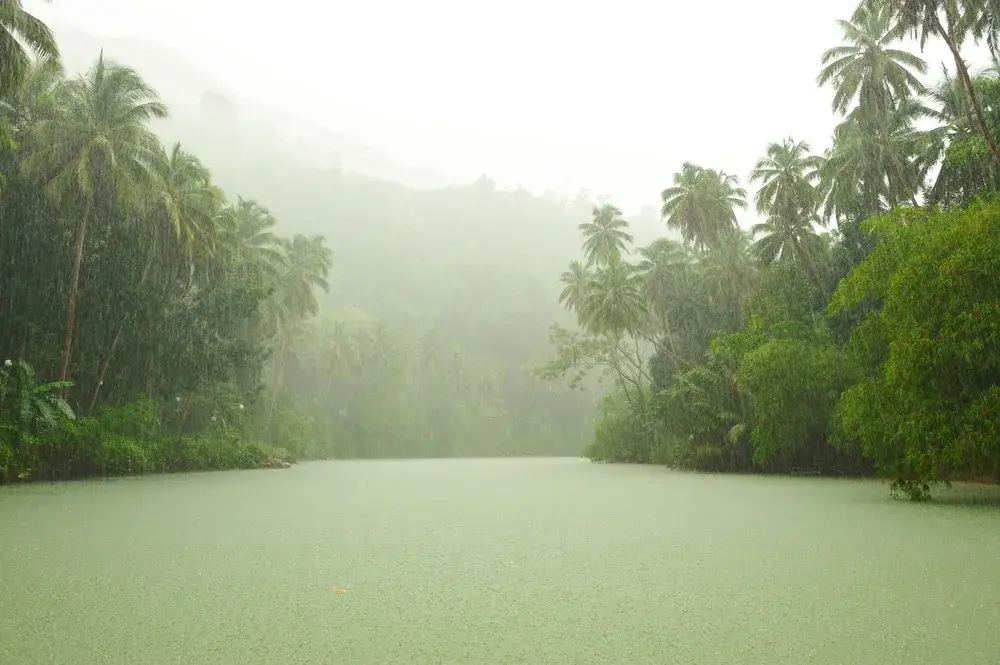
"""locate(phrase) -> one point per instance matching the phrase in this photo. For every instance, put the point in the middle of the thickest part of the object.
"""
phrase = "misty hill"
(183, 84)
(478, 264)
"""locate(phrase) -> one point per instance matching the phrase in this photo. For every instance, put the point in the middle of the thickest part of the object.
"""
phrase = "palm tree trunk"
(114, 345)
(970, 90)
(74, 288)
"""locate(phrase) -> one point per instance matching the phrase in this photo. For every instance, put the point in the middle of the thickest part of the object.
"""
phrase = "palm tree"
(102, 146)
(866, 68)
(614, 304)
(962, 18)
(308, 263)
(729, 274)
(17, 26)
(663, 265)
(877, 162)
(35, 97)
(185, 198)
(247, 228)
(183, 205)
(702, 204)
(575, 281)
(784, 238)
(788, 175)
(605, 236)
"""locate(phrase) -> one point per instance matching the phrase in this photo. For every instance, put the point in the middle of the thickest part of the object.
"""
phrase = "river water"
(495, 561)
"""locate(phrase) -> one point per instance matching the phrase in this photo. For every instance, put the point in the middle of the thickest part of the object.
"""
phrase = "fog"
(546, 95)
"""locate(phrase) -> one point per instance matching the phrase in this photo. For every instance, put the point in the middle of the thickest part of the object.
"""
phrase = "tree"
(605, 237)
(923, 18)
(16, 26)
(788, 175)
(877, 161)
(99, 149)
(784, 238)
(866, 69)
(575, 282)
(702, 204)
(614, 302)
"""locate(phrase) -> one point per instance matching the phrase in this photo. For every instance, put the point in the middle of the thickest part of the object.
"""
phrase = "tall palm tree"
(866, 68)
(248, 229)
(729, 274)
(702, 204)
(182, 206)
(785, 238)
(308, 263)
(614, 303)
(100, 148)
(663, 266)
(788, 175)
(36, 95)
(878, 161)
(605, 235)
(575, 281)
(185, 198)
(953, 21)
(17, 26)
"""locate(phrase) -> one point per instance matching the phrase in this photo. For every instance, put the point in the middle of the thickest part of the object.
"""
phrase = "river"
(495, 561)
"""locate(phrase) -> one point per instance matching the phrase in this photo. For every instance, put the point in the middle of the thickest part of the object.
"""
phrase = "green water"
(493, 561)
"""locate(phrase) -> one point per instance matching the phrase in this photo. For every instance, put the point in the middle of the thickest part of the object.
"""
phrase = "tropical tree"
(307, 264)
(185, 199)
(952, 21)
(702, 204)
(783, 238)
(248, 229)
(614, 304)
(866, 68)
(605, 236)
(19, 28)
(29, 406)
(99, 148)
(788, 175)
(575, 281)
(877, 161)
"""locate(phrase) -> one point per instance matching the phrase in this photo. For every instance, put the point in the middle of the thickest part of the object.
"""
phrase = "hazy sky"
(549, 94)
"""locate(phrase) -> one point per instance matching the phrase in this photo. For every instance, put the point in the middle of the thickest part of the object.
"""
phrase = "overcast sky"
(549, 94)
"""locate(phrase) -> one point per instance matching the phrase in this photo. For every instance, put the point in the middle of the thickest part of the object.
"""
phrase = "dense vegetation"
(870, 347)
(150, 322)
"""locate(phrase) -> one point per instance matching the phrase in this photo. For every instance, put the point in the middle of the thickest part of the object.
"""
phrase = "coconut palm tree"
(663, 266)
(788, 175)
(35, 97)
(247, 228)
(784, 238)
(866, 68)
(100, 148)
(308, 262)
(952, 21)
(182, 206)
(19, 28)
(614, 304)
(575, 281)
(878, 161)
(702, 204)
(184, 197)
(605, 235)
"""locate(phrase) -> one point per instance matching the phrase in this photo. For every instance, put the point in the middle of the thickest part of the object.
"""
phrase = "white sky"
(548, 94)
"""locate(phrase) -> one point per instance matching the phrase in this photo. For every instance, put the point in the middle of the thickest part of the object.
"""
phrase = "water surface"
(493, 561)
